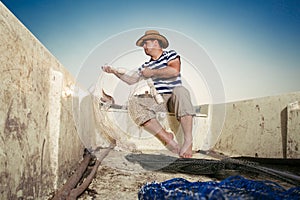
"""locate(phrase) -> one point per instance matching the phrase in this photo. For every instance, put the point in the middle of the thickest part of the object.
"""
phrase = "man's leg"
(187, 127)
(142, 111)
(155, 128)
(180, 104)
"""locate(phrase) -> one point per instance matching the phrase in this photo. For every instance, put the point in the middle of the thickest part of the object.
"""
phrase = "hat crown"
(150, 32)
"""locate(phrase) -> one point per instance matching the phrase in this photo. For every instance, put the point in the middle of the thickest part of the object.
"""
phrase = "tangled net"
(234, 187)
(113, 120)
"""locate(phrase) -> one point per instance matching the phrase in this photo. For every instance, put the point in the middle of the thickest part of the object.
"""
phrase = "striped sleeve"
(172, 55)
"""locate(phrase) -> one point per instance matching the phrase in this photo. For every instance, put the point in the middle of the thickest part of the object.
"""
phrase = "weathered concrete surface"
(293, 130)
(38, 143)
(261, 127)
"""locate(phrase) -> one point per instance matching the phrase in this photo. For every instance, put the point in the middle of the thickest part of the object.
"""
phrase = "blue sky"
(254, 44)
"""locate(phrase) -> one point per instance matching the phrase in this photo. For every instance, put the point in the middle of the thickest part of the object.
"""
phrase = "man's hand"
(121, 74)
(108, 69)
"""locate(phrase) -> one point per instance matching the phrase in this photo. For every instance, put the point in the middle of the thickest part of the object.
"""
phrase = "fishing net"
(234, 187)
(112, 119)
(115, 119)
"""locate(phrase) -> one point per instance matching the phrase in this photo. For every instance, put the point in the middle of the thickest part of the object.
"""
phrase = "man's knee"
(180, 90)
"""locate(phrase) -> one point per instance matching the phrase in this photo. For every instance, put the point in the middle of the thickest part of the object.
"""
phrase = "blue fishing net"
(234, 187)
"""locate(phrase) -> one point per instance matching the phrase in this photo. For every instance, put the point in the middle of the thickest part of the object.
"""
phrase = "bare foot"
(186, 150)
(168, 140)
(173, 146)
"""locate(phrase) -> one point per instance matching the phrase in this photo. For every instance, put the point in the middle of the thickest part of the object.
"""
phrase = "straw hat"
(153, 35)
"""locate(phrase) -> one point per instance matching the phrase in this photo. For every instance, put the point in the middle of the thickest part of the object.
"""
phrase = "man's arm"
(172, 70)
(129, 79)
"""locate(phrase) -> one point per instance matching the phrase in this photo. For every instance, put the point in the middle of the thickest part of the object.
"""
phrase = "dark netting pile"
(234, 187)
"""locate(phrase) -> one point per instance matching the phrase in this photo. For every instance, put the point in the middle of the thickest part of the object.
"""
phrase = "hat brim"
(164, 41)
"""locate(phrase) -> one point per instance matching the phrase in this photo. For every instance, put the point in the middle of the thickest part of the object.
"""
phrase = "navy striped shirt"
(163, 85)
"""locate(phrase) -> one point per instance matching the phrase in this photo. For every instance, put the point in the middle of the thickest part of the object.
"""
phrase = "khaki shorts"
(142, 109)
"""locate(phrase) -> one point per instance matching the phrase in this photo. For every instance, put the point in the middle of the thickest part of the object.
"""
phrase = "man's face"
(149, 45)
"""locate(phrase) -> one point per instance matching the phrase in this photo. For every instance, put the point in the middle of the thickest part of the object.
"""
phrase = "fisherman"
(162, 72)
